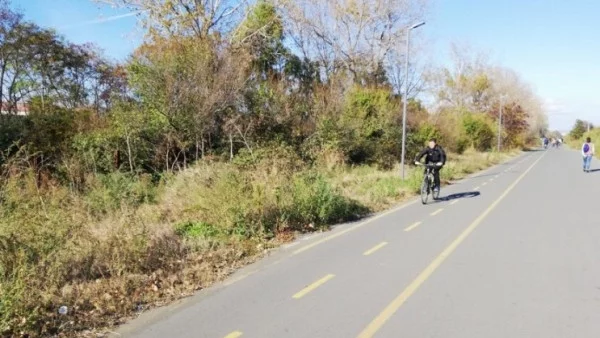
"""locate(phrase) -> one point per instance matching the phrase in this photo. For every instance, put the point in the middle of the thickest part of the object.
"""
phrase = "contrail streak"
(102, 20)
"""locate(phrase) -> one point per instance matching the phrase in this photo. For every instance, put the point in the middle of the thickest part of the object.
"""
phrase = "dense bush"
(579, 129)
(370, 124)
(418, 139)
(576, 143)
(478, 131)
(127, 184)
(124, 242)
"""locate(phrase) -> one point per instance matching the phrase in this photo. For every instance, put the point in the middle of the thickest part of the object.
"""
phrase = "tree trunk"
(116, 159)
(167, 155)
(230, 147)
(129, 153)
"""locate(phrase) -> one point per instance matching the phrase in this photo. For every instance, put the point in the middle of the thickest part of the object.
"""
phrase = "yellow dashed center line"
(375, 248)
(436, 212)
(397, 302)
(476, 188)
(313, 286)
(454, 202)
(484, 184)
(413, 226)
(234, 334)
(355, 227)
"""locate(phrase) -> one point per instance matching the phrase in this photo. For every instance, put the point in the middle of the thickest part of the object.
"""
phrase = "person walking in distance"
(587, 150)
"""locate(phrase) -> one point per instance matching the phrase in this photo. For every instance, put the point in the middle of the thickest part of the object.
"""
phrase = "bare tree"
(509, 86)
(199, 18)
(473, 84)
(357, 34)
(465, 84)
(396, 72)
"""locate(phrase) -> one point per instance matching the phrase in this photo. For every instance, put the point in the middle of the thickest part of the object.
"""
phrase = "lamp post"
(500, 124)
(405, 98)
(503, 99)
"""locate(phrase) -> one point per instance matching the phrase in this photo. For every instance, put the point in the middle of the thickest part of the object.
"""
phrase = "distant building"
(22, 109)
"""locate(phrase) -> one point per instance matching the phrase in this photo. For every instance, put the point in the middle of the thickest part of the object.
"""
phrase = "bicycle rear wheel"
(425, 190)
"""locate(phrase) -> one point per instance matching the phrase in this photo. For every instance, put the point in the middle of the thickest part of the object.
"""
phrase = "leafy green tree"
(195, 87)
(262, 34)
(371, 125)
(579, 129)
(478, 131)
(36, 62)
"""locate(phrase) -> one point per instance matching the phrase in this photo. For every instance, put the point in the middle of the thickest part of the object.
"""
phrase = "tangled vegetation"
(124, 186)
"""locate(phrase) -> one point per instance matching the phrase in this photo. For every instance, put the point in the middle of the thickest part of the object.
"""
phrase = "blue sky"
(553, 44)
(81, 21)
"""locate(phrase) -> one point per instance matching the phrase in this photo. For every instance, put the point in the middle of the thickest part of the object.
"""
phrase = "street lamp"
(500, 124)
(405, 98)
(503, 100)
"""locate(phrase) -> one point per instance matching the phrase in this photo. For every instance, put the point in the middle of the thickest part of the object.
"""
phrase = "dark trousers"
(436, 176)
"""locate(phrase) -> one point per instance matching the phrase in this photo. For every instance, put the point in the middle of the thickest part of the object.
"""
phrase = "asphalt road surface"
(513, 251)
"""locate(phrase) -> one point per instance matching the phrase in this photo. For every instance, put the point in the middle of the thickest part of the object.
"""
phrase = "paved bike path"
(348, 290)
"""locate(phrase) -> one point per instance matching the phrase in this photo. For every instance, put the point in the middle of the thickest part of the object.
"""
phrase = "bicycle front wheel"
(425, 190)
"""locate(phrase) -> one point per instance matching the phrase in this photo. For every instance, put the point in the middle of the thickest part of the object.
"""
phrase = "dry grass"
(126, 244)
(381, 189)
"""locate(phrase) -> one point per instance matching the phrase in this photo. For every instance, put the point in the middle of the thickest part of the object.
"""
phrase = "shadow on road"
(470, 194)
(594, 170)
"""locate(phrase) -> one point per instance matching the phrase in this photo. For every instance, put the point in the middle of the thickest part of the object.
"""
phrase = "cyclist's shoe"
(436, 192)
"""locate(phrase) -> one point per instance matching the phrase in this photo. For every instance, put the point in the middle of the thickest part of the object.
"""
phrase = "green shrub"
(414, 180)
(462, 144)
(478, 131)
(371, 132)
(11, 131)
(92, 149)
(386, 187)
(108, 192)
(315, 201)
(194, 230)
(270, 157)
(579, 130)
(417, 139)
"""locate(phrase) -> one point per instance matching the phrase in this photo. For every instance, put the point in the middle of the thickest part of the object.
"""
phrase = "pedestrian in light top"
(587, 150)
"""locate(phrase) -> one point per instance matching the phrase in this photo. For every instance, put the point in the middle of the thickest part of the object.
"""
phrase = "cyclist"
(434, 154)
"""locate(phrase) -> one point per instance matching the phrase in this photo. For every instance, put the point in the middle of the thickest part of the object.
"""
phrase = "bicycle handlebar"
(429, 165)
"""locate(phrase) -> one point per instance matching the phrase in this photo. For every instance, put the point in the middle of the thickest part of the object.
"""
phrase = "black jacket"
(435, 155)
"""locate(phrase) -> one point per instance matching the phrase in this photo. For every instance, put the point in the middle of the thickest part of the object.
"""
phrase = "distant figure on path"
(587, 150)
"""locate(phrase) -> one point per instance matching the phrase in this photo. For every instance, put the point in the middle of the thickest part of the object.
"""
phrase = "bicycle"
(428, 183)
